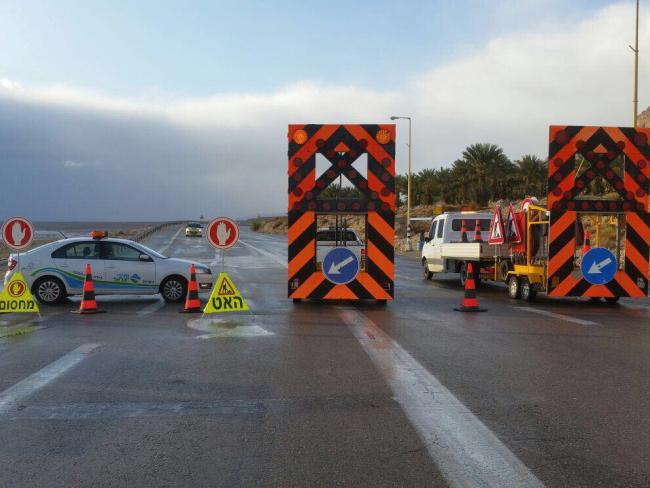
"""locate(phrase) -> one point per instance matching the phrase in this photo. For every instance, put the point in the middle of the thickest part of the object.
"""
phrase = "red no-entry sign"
(222, 233)
(18, 233)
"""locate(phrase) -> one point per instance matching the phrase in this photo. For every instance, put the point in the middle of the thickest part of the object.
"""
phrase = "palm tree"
(531, 175)
(488, 171)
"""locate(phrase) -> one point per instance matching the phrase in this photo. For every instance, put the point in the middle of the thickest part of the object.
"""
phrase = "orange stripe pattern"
(601, 148)
(341, 145)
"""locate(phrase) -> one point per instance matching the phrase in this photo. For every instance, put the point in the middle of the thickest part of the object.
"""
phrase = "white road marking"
(466, 451)
(152, 307)
(274, 257)
(558, 316)
(12, 396)
(169, 244)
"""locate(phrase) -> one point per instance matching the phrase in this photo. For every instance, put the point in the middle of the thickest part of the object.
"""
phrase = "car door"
(70, 260)
(126, 273)
(437, 264)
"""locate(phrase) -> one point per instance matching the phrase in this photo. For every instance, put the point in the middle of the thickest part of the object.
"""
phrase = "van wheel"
(528, 290)
(514, 290)
(462, 274)
(49, 290)
(425, 270)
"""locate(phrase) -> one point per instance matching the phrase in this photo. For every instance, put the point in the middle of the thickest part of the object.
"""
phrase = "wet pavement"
(319, 394)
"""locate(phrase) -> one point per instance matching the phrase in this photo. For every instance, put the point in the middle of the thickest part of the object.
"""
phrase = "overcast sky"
(112, 111)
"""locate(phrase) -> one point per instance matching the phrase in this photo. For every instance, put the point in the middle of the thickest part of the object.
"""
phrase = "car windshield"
(330, 235)
(194, 225)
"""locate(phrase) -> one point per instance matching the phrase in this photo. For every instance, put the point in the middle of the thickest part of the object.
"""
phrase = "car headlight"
(203, 270)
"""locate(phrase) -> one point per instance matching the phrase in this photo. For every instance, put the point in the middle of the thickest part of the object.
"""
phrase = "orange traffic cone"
(463, 232)
(470, 303)
(587, 243)
(192, 301)
(88, 303)
(477, 231)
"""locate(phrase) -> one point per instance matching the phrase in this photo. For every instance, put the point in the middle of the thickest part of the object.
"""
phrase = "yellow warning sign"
(225, 297)
(16, 297)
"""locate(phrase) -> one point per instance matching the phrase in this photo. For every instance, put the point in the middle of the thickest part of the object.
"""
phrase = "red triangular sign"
(496, 228)
(513, 234)
(512, 228)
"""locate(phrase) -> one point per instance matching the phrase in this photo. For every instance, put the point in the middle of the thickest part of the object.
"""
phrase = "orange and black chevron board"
(602, 148)
(341, 145)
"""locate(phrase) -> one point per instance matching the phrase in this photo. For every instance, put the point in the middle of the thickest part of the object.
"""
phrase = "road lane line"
(464, 449)
(152, 307)
(274, 257)
(12, 396)
(169, 244)
(558, 316)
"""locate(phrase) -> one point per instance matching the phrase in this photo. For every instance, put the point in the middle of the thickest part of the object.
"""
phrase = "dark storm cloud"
(65, 163)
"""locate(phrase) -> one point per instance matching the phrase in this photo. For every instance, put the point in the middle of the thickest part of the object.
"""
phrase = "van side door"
(437, 263)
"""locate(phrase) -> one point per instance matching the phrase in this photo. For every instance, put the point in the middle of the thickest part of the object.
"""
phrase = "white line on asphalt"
(466, 451)
(274, 257)
(10, 398)
(152, 307)
(169, 244)
(558, 316)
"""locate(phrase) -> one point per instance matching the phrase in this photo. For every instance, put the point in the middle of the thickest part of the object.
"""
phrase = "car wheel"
(528, 291)
(425, 269)
(514, 290)
(49, 290)
(173, 289)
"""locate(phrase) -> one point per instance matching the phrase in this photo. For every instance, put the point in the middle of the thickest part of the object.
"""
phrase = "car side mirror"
(145, 257)
(427, 239)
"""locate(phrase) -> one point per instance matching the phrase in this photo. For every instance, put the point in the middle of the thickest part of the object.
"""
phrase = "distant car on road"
(56, 270)
(194, 229)
(328, 238)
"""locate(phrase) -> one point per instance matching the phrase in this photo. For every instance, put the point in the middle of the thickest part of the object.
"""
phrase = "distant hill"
(643, 119)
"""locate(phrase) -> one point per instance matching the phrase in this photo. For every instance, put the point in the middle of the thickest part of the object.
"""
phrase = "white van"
(443, 250)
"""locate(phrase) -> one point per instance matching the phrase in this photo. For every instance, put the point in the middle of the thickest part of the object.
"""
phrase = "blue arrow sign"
(340, 265)
(599, 266)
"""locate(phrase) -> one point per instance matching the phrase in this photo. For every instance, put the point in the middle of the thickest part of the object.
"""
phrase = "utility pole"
(409, 247)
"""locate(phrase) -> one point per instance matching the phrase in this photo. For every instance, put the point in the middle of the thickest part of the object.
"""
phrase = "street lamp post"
(635, 49)
(408, 189)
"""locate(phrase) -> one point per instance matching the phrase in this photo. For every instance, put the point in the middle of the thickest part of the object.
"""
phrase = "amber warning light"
(98, 234)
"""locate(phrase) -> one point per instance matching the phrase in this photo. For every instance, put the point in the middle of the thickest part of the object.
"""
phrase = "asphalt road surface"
(411, 393)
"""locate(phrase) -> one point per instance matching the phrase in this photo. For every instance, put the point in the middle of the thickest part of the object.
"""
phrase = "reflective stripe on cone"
(88, 304)
(470, 303)
(192, 301)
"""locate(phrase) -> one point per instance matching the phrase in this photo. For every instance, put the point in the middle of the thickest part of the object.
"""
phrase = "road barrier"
(151, 230)
(341, 146)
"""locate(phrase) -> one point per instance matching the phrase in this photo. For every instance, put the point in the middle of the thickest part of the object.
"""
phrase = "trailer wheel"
(514, 290)
(462, 274)
(504, 267)
(425, 270)
(528, 291)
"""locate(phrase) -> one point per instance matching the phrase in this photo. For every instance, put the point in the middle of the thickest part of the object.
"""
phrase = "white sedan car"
(119, 266)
